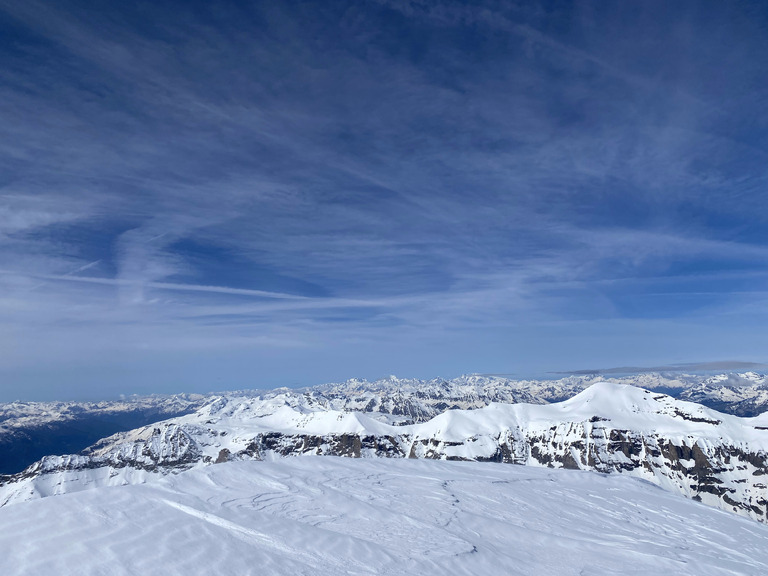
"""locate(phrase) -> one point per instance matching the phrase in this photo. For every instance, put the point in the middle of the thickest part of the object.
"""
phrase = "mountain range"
(31, 430)
(609, 427)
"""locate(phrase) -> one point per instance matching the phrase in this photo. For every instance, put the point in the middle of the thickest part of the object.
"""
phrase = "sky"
(202, 196)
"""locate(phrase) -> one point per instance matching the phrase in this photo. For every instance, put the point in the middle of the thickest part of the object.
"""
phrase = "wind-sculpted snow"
(332, 516)
(683, 447)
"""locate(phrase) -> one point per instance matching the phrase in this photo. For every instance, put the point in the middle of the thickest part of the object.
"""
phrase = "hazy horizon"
(693, 368)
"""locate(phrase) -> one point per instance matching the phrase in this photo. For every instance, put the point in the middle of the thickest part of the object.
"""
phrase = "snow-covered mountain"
(31, 430)
(332, 516)
(683, 447)
(744, 394)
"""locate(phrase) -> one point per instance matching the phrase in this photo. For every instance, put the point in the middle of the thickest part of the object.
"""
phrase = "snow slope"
(333, 516)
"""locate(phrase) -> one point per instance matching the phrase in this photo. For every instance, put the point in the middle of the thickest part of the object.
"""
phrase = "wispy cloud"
(347, 176)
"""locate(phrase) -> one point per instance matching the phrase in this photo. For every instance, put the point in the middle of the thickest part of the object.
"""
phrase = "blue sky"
(206, 196)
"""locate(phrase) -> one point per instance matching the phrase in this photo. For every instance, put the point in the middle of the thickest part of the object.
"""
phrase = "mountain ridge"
(683, 447)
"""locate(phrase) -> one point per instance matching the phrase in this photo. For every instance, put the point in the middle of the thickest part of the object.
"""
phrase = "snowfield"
(335, 516)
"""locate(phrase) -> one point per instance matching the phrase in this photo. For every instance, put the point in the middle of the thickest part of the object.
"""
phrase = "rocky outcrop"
(168, 447)
(346, 445)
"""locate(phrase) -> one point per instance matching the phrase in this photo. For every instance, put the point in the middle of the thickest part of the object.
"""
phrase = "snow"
(332, 516)
(608, 427)
(633, 408)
